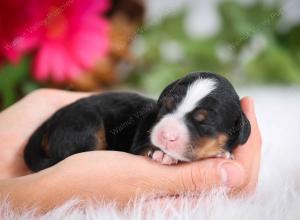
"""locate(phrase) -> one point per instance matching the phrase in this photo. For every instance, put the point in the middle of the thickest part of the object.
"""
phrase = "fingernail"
(231, 174)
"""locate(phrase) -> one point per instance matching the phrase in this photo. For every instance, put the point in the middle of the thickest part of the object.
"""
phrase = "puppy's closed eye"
(200, 115)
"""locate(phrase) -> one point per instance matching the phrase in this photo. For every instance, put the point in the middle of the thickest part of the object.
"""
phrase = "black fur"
(127, 120)
(72, 129)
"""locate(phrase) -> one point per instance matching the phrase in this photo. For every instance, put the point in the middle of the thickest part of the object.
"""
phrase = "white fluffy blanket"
(278, 192)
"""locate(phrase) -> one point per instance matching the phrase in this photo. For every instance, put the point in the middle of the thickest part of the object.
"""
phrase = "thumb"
(206, 174)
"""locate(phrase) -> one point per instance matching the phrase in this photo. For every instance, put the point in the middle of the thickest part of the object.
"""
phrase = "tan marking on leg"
(45, 145)
(101, 140)
(209, 147)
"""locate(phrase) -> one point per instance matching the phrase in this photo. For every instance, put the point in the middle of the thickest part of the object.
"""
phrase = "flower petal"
(41, 65)
(90, 46)
(57, 63)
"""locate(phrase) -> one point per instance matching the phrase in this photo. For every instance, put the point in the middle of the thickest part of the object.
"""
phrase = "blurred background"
(94, 45)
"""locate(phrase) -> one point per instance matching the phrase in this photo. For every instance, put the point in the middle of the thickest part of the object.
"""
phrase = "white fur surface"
(278, 191)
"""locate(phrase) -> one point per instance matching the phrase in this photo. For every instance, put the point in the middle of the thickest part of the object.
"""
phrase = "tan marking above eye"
(169, 102)
(200, 115)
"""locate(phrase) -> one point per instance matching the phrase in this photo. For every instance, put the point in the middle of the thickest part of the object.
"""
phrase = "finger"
(204, 175)
(196, 176)
(248, 155)
(251, 149)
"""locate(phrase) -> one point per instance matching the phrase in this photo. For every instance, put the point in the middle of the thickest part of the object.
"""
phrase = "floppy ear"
(240, 133)
(244, 129)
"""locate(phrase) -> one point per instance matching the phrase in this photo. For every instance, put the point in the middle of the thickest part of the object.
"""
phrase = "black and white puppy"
(195, 117)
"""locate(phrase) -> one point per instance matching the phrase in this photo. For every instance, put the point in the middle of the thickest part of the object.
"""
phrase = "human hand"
(120, 176)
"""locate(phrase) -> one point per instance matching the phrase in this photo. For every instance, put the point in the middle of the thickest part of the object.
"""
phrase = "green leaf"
(10, 76)
(274, 65)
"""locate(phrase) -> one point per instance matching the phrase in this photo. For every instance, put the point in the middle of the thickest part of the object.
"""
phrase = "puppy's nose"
(170, 136)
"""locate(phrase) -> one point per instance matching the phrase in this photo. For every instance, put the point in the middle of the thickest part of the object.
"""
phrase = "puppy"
(198, 116)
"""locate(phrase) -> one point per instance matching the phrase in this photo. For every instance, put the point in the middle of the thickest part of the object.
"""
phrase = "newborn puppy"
(196, 117)
(199, 117)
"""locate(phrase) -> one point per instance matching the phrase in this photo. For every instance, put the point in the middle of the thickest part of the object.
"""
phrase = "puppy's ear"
(244, 129)
(240, 133)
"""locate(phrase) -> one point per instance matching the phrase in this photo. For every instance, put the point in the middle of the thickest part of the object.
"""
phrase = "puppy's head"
(199, 117)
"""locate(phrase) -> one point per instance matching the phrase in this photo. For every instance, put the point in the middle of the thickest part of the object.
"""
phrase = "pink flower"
(16, 16)
(69, 37)
(73, 39)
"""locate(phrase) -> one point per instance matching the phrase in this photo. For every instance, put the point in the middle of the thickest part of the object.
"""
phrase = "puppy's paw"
(161, 157)
(225, 155)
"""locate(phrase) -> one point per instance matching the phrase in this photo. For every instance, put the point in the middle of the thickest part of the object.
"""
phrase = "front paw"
(161, 157)
(225, 155)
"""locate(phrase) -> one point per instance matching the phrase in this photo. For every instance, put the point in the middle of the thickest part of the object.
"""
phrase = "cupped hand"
(119, 176)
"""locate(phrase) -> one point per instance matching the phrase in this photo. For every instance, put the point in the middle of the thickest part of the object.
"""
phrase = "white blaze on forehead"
(198, 90)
